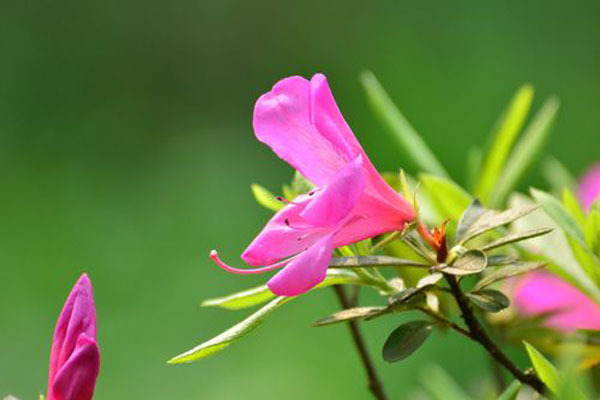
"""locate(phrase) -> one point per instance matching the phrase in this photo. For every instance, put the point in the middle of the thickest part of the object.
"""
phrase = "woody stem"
(375, 385)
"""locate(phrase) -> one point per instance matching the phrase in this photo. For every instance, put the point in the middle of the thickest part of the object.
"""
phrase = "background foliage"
(126, 150)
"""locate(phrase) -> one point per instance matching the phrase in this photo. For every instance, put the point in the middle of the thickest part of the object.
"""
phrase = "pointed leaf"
(449, 199)
(543, 368)
(500, 259)
(557, 175)
(399, 128)
(405, 340)
(507, 272)
(429, 280)
(220, 342)
(516, 237)
(468, 218)
(493, 219)
(266, 198)
(559, 214)
(350, 314)
(526, 150)
(511, 392)
(504, 136)
(472, 262)
(489, 300)
(261, 294)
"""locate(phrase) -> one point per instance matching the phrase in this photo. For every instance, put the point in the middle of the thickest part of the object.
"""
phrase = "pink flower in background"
(75, 357)
(302, 124)
(569, 309)
(589, 188)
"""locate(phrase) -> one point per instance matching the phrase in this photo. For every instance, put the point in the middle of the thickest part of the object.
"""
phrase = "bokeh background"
(126, 150)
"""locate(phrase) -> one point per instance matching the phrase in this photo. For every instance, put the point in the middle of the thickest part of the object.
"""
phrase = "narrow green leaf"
(526, 151)
(266, 198)
(516, 237)
(405, 340)
(507, 272)
(300, 184)
(543, 368)
(504, 136)
(495, 260)
(493, 219)
(261, 294)
(468, 218)
(559, 214)
(472, 262)
(350, 314)
(398, 126)
(511, 392)
(441, 386)
(220, 342)
(450, 200)
(591, 231)
(571, 204)
(557, 175)
(489, 300)
(241, 300)
(429, 280)
(371, 261)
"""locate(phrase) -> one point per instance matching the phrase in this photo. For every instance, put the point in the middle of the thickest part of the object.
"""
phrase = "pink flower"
(589, 188)
(302, 124)
(75, 357)
(569, 309)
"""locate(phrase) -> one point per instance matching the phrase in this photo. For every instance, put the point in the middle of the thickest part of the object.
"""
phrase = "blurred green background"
(126, 150)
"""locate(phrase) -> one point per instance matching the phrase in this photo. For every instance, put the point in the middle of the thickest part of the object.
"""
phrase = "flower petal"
(541, 292)
(305, 271)
(76, 379)
(334, 202)
(284, 235)
(589, 189)
(283, 121)
(78, 317)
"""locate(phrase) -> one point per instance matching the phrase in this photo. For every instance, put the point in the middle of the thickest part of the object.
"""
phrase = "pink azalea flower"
(589, 188)
(75, 356)
(544, 293)
(300, 121)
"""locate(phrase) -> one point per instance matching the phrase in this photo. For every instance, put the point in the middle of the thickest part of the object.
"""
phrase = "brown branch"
(375, 385)
(479, 334)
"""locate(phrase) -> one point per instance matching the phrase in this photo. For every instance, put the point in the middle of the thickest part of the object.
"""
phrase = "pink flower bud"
(75, 356)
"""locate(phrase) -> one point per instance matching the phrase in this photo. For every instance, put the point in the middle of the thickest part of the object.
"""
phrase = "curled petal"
(543, 293)
(335, 201)
(76, 379)
(305, 271)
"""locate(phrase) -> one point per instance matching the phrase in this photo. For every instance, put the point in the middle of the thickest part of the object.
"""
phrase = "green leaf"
(591, 231)
(557, 175)
(266, 198)
(572, 206)
(504, 136)
(474, 160)
(220, 342)
(350, 314)
(300, 184)
(526, 151)
(491, 219)
(405, 340)
(511, 391)
(371, 261)
(241, 300)
(261, 294)
(472, 262)
(543, 368)
(468, 218)
(516, 237)
(398, 126)
(500, 259)
(489, 300)
(441, 386)
(449, 199)
(559, 214)
(507, 272)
